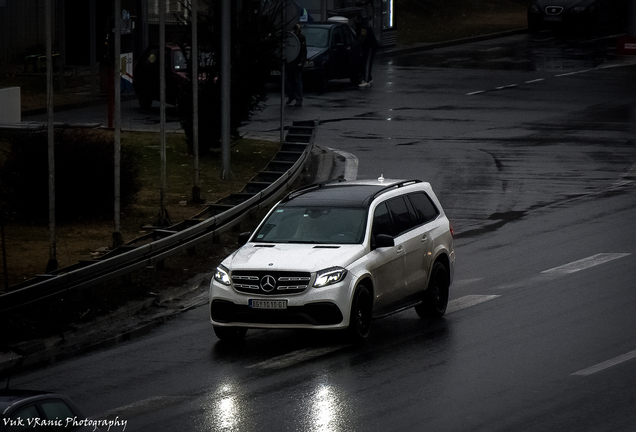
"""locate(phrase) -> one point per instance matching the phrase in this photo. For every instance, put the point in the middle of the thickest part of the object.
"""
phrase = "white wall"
(10, 105)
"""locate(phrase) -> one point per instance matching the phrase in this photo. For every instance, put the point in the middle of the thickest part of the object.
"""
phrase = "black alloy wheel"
(361, 314)
(436, 295)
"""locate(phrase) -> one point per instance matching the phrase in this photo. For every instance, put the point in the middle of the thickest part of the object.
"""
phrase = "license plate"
(553, 19)
(268, 304)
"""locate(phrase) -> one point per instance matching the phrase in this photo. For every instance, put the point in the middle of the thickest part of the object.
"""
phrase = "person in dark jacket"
(294, 71)
(369, 45)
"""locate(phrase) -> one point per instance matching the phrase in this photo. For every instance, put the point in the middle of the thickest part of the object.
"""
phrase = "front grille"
(270, 282)
(314, 314)
(553, 10)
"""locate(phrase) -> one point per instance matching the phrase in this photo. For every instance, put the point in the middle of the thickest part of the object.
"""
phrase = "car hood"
(313, 52)
(292, 257)
(564, 3)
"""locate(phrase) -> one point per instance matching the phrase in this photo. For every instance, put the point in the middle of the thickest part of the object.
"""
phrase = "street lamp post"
(52, 264)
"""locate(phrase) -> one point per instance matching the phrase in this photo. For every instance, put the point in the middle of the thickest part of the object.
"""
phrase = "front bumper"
(324, 308)
(313, 314)
(565, 21)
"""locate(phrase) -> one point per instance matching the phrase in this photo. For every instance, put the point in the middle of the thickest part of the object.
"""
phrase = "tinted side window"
(28, 412)
(338, 37)
(349, 36)
(382, 221)
(57, 409)
(401, 216)
(179, 61)
(424, 207)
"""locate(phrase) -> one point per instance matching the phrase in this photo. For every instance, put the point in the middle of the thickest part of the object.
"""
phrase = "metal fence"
(264, 189)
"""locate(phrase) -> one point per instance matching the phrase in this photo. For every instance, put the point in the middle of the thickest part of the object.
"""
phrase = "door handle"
(400, 249)
(424, 238)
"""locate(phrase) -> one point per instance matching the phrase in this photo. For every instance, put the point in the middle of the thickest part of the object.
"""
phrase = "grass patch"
(27, 244)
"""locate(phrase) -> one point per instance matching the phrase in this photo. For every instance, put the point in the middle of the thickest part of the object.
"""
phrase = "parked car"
(336, 255)
(331, 53)
(587, 15)
(146, 75)
(36, 410)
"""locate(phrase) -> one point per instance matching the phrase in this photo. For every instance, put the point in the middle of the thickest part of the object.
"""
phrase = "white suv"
(336, 255)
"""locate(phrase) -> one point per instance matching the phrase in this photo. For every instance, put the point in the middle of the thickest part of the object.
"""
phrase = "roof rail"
(305, 189)
(394, 185)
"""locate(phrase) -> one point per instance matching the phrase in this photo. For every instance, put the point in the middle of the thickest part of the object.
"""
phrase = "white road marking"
(573, 73)
(585, 263)
(468, 301)
(628, 62)
(295, 357)
(140, 407)
(307, 354)
(462, 282)
(506, 87)
(606, 364)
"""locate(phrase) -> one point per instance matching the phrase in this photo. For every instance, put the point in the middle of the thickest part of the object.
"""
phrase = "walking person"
(294, 71)
(369, 45)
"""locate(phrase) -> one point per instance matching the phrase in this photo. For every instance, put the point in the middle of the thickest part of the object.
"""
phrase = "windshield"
(317, 37)
(319, 225)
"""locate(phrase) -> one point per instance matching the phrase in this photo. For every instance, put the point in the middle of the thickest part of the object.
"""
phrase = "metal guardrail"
(262, 190)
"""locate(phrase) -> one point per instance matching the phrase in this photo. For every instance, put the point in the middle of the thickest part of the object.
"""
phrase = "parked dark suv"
(334, 256)
(331, 53)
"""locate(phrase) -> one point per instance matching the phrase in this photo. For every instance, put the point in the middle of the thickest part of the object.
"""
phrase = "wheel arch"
(444, 259)
(367, 282)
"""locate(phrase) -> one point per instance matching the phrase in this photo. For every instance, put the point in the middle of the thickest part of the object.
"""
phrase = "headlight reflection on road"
(224, 410)
(328, 411)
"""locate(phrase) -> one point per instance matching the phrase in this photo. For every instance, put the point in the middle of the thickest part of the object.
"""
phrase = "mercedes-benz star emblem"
(268, 283)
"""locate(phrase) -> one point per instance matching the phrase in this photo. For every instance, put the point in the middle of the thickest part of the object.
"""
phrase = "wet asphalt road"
(530, 145)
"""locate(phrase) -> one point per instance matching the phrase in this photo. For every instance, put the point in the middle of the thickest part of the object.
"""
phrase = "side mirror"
(383, 241)
(244, 237)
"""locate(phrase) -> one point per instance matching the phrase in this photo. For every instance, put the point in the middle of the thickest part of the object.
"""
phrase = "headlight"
(578, 9)
(222, 276)
(329, 276)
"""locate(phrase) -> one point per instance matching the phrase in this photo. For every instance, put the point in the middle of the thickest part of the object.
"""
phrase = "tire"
(436, 295)
(361, 314)
(145, 102)
(319, 85)
(230, 334)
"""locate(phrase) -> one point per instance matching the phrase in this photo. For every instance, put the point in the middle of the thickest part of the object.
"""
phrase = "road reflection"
(328, 410)
(224, 410)
(318, 381)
